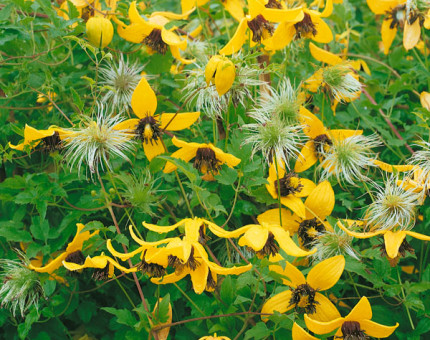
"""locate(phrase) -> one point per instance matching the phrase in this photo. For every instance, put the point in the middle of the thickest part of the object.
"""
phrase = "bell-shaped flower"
(221, 72)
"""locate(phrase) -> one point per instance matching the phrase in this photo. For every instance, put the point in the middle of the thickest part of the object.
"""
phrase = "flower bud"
(99, 31)
(425, 100)
(221, 72)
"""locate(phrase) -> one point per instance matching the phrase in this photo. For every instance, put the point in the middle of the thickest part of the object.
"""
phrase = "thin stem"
(353, 284)
(279, 191)
(125, 293)
(234, 203)
(189, 299)
(227, 122)
(184, 194)
(404, 299)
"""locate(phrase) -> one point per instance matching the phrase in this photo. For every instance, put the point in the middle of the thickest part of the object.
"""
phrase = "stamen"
(152, 269)
(305, 27)
(303, 298)
(404, 247)
(273, 4)
(101, 274)
(322, 143)
(52, 143)
(260, 28)
(178, 265)
(76, 257)
(206, 160)
(203, 238)
(351, 330)
(210, 283)
(155, 41)
(289, 184)
(148, 130)
(270, 248)
(308, 231)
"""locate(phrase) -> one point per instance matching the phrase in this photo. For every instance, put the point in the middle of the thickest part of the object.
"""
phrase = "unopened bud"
(99, 31)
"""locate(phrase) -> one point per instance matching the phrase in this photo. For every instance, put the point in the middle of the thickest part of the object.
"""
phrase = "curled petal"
(361, 311)
(320, 327)
(255, 237)
(300, 334)
(323, 55)
(279, 303)
(325, 274)
(377, 330)
(238, 39)
(392, 241)
(325, 309)
(286, 243)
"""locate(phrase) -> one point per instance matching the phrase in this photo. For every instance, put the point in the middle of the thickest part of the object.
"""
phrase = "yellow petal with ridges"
(323, 55)
(324, 34)
(128, 125)
(392, 241)
(224, 77)
(180, 121)
(199, 278)
(307, 157)
(143, 100)
(79, 238)
(147, 244)
(361, 311)
(411, 34)
(185, 153)
(295, 204)
(320, 202)
(325, 309)
(418, 236)
(357, 234)
(163, 229)
(320, 327)
(313, 126)
(300, 334)
(388, 34)
(211, 68)
(295, 276)
(271, 217)
(342, 134)
(376, 330)
(255, 237)
(390, 168)
(307, 188)
(153, 148)
(172, 39)
(123, 256)
(279, 303)
(282, 36)
(286, 243)
(325, 274)
(238, 39)
(134, 33)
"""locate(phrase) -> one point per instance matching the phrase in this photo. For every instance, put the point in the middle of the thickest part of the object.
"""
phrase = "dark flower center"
(289, 184)
(270, 248)
(210, 283)
(203, 238)
(76, 257)
(322, 143)
(175, 262)
(273, 4)
(88, 12)
(404, 247)
(52, 143)
(260, 27)
(305, 27)
(308, 231)
(152, 269)
(206, 160)
(303, 299)
(148, 130)
(351, 330)
(155, 41)
(101, 274)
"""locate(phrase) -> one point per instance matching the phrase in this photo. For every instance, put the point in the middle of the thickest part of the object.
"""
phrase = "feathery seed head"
(340, 82)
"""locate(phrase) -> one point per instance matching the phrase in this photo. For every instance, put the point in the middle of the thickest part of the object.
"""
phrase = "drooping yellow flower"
(320, 141)
(99, 31)
(259, 21)
(214, 337)
(308, 25)
(304, 293)
(152, 32)
(103, 264)
(292, 188)
(394, 240)
(208, 158)
(51, 138)
(234, 7)
(221, 72)
(357, 322)
(73, 252)
(318, 205)
(425, 100)
(150, 127)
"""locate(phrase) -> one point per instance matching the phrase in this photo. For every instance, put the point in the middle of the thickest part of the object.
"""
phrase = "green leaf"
(259, 331)
(162, 312)
(124, 316)
(227, 176)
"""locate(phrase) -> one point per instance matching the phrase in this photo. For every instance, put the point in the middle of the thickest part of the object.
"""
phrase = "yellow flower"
(299, 333)
(152, 32)
(394, 240)
(51, 138)
(425, 100)
(258, 21)
(234, 7)
(99, 31)
(214, 337)
(150, 127)
(292, 188)
(308, 25)
(103, 264)
(318, 205)
(304, 293)
(221, 72)
(41, 99)
(357, 322)
(208, 158)
(73, 252)
(321, 139)
(163, 333)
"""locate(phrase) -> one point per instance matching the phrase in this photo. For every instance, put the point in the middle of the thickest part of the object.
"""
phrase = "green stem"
(227, 122)
(279, 191)
(189, 299)
(184, 194)
(125, 293)
(354, 284)
(404, 299)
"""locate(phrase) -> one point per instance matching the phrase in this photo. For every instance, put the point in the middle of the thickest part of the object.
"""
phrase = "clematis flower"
(221, 72)
(321, 139)
(299, 333)
(73, 252)
(152, 32)
(208, 158)
(259, 22)
(425, 100)
(291, 187)
(308, 25)
(103, 264)
(99, 31)
(42, 99)
(395, 244)
(318, 205)
(150, 127)
(214, 337)
(304, 293)
(356, 324)
(234, 7)
(51, 138)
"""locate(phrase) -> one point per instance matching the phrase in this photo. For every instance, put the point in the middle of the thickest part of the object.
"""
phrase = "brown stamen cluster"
(175, 262)
(152, 269)
(203, 238)
(210, 282)
(303, 299)
(101, 274)
(322, 143)
(148, 130)
(155, 41)
(351, 330)
(273, 4)
(258, 25)
(206, 160)
(270, 248)
(76, 257)
(287, 187)
(305, 27)
(52, 143)
(397, 15)
(88, 12)
(307, 231)
(404, 247)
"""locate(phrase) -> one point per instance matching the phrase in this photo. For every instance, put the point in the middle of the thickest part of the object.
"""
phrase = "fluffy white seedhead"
(97, 141)
(348, 158)
(342, 84)
(393, 207)
(421, 159)
(120, 79)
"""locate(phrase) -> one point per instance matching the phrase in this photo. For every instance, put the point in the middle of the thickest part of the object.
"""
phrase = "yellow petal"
(286, 243)
(225, 158)
(320, 327)
(295, 276)
(185, 153)
(143, 100)
(425, 100)
(128, 125)
(235, 8)
(388, 34)
(323, 55)
(382, 6)
(32, 135)
(172, 39)
(360, 235)
(180, 121)
(255, 237)
(392, 241)
(123, 256)
(418, 236)
(238, 39)
(361, 311)
(134, 16)
(343, 134)
(390, 168)
(328, 9)
(211, 68)
(175, 16)
(313, 126)
(281, 15)
(308, 187)
(51, 266)
(177, 55)
(411, 34)
(79, 238)
(171, 278)
(307, 157)
(320, 202)
(271, 217)
(279, 303)
(153, 149)
(282, 36)
(134, 33)
(376, 330)
(199, 277)
(325, 274)
(324, 33)
(163, 333)
(295, 204)
(100, 262)
(147, 244)
(325, 309)
(300, 334)
(224, 77)
(163, 229)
